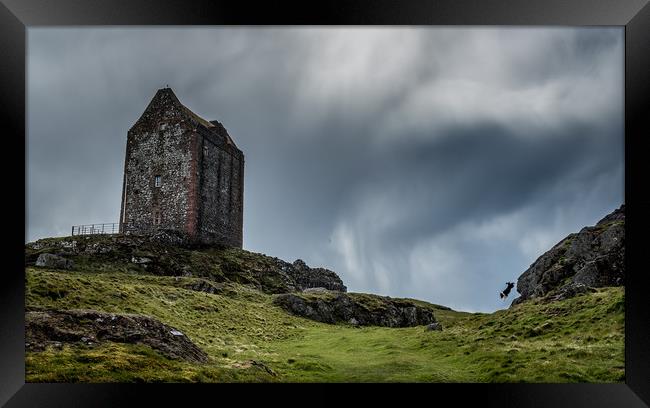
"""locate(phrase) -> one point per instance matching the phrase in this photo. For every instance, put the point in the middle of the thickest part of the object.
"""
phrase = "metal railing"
(113, 228)
(96, 229)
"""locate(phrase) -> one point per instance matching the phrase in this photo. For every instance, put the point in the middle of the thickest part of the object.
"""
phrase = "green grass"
(114, 362)
(576, 340)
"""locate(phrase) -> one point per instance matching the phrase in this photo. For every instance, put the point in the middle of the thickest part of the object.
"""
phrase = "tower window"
(157, 181)
(156, 217)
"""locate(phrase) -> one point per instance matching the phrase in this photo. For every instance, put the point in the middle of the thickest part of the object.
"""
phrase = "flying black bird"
(506, 291)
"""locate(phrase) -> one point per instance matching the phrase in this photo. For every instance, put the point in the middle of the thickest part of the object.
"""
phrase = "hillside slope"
(225, 302)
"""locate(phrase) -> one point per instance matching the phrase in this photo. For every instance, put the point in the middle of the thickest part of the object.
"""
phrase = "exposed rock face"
(89, 327)
(570, 290)
(593, 257)
(307, 277)
(316, 290)
(356, 309)
(53, 261)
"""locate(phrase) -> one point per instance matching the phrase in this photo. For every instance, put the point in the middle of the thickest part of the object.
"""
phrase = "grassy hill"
(248, 338)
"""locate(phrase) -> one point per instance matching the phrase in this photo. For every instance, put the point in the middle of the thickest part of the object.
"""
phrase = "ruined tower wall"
(221, 186)
(201, 175)
(165, 153)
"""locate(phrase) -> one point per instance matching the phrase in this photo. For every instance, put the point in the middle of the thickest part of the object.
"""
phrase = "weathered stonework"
(199, 169)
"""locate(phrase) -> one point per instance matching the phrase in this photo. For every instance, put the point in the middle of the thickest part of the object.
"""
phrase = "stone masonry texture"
(182, 173)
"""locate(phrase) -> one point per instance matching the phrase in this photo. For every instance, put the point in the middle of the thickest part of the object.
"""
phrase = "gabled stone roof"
(197, 118)
(165, 96)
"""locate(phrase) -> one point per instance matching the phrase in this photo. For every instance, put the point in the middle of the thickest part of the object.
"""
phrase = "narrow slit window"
(156, 218)
(157, 181)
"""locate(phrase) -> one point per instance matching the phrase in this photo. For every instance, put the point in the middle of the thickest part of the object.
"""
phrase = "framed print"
(432, 192)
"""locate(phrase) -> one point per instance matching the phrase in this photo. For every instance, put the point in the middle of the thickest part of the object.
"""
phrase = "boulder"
(90, 327)
(53, 261)
(140, 260)
(356, 309)
(434, 327)
(307, 278)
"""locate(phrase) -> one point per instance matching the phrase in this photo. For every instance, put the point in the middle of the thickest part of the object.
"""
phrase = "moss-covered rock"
(357, 309)
(45, 328)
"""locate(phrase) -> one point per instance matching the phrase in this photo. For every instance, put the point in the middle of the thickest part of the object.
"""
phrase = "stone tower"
(182, 173)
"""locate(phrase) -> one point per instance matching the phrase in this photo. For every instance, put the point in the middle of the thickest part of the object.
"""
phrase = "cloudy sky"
(434, 163)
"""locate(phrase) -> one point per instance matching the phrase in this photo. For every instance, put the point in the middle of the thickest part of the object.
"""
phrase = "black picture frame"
(18, 15)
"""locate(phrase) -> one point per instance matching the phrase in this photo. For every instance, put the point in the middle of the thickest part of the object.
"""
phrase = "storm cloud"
(425, 162)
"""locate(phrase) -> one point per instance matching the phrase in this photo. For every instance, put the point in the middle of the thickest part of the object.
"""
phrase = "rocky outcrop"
(357, 309)
(306, 277)
(46, 260)
(593, 257)
(89, 327)
(164, 253)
